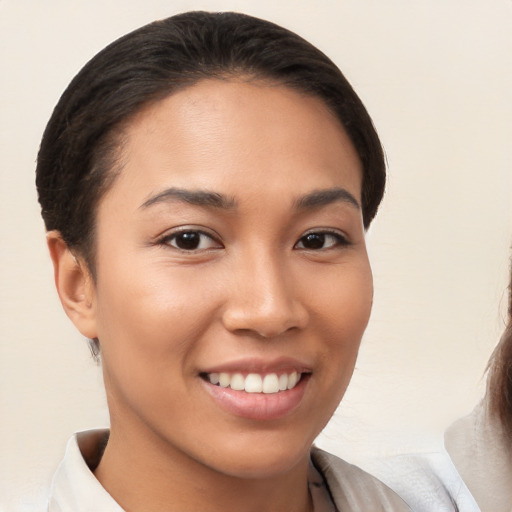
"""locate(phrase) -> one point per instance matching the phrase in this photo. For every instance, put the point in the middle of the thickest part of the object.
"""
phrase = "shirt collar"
(74, 486)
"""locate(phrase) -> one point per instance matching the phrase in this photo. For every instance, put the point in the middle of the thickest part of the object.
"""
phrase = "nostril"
(264, 326)
(266, 303)
(271, 333)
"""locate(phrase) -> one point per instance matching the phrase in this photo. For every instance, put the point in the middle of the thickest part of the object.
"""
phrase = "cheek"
(147, 327)
(151, 315)
(343, 311)
(341, 314)
(345, 302)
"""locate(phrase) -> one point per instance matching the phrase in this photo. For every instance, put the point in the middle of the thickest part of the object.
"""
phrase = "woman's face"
(231, 248)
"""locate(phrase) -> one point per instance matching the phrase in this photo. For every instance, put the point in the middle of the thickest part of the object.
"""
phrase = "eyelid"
(342, 238)
(165, 238)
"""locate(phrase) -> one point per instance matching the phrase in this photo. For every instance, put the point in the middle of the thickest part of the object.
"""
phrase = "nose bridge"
(263, 298)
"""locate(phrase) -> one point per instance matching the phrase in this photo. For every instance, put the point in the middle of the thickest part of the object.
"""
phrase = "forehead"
(238, 135)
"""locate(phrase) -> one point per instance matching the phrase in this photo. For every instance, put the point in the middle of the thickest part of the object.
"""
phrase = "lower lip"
(259, 406)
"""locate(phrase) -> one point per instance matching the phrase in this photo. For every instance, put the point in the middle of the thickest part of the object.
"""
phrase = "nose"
(264, 299)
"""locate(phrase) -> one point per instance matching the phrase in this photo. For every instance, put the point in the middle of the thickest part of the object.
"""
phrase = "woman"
(206, 182)
(480, 444)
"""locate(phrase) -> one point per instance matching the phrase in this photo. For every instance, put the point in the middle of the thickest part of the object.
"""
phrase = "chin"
(261, 458)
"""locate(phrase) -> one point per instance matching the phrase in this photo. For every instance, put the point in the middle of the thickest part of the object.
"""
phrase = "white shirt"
(427, 482)
(74, 487)
(483, 455)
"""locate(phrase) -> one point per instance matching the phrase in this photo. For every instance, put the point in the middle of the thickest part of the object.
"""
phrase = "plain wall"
(436, 76)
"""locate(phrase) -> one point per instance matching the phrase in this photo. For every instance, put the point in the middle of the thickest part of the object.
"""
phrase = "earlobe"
(74, 285)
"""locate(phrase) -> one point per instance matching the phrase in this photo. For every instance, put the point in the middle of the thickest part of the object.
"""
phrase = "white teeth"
(254, 382)
(271, 383)
(293, 378)
(283, 382)
(224, 380)
(237, 382)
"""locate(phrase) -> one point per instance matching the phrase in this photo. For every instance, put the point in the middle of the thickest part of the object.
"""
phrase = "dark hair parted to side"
(499, 384)
(82, 145)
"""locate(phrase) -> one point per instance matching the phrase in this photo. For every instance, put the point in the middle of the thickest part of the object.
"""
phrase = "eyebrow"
(194, 197)
(315, 199)
(319, 198)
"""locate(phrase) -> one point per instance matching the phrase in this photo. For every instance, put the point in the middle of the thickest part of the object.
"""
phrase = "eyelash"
(339, 240)
(167, 240)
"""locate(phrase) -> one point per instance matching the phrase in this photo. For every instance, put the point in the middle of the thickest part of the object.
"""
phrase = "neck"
(149, 475)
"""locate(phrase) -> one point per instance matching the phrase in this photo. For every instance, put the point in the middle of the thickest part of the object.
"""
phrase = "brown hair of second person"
(499, 386)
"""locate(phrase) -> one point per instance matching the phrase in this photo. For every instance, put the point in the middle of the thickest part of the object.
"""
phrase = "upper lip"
(258, 365)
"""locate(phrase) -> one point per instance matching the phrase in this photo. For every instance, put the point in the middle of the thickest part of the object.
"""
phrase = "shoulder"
(354, 489)
(428, 482)
(483, 456)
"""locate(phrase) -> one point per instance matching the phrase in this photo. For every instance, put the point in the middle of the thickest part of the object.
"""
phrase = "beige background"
(436, 76)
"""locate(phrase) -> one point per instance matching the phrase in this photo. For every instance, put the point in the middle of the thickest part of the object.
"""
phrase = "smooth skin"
(233, 235)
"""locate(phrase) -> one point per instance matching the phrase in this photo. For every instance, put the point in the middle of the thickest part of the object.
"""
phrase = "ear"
(74, 284)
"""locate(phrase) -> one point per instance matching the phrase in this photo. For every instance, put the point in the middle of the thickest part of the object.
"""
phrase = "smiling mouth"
(254, 382)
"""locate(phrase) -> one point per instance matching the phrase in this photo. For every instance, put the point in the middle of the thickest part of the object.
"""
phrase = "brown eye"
(313, 241)
(320, 240)
(188, 241)
(191, 241)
